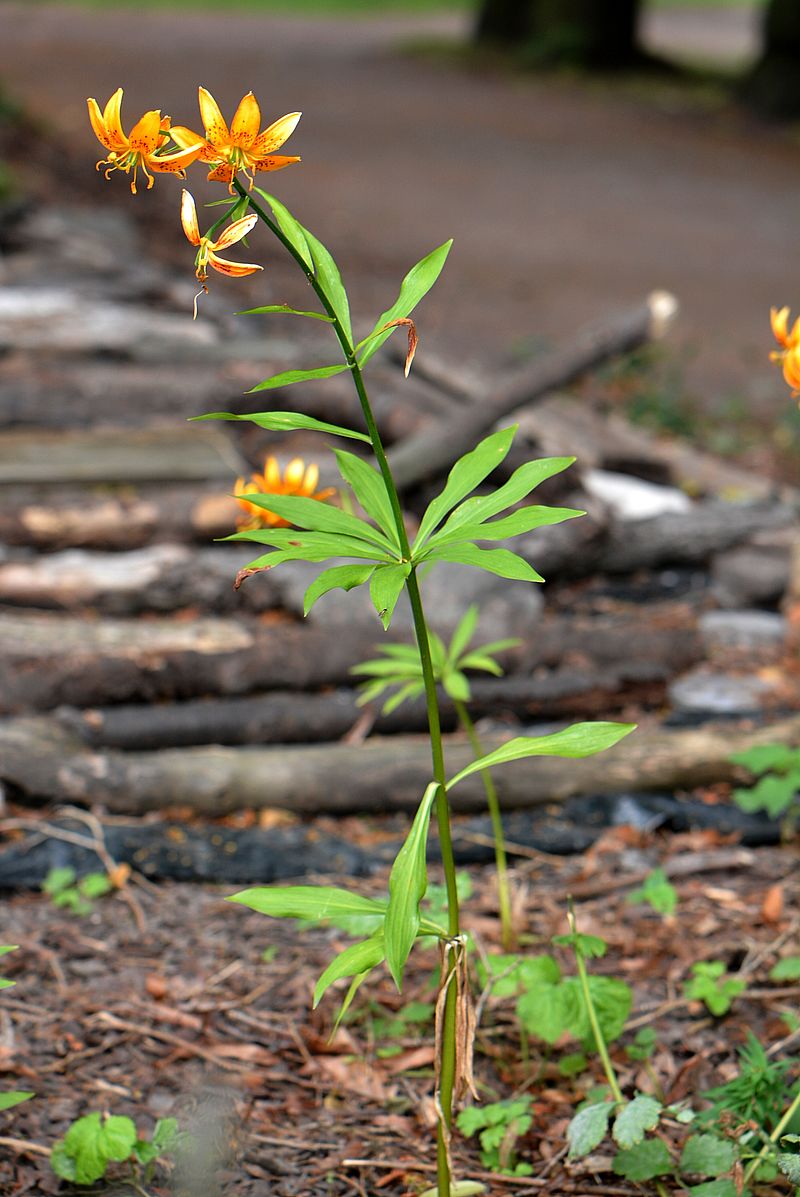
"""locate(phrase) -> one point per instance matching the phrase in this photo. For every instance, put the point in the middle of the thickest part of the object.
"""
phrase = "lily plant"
(367, 546)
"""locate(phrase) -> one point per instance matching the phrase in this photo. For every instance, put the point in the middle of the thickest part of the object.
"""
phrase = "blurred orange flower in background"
(789, 353)
(297, 480)
(143, 147)
(242, 146)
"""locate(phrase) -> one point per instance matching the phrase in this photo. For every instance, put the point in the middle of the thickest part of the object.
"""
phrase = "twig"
(24, 1146)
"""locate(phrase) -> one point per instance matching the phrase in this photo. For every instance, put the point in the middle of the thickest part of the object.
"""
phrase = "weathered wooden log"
(42, 760)
(432, 450)
(284, 717)
(47, 660)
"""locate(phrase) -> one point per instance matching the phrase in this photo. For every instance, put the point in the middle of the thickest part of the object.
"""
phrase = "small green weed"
(95, 1141)
(66, 892)
(710, 983)
(777, 768)
(500, 1127)
(657, 892)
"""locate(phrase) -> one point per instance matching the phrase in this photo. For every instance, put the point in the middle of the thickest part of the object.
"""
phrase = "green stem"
(602, 1049)
(773, 1139)
(501, 860)
(448, 1061)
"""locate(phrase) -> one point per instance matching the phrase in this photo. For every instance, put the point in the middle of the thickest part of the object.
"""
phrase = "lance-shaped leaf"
(311, 546)
(313, 902)
(291, 228)
(330, 280)
(414, 286)
(468, 472)
(290, 376)
(524, 479)
(356, 960)
(407, 884)
(502, 562)
(310, 514)
(14, 1097)
(339, 577)
(579, 740)
(283, 309)
(370, 490)
(385, 588)
(286, 421)
(519, 522)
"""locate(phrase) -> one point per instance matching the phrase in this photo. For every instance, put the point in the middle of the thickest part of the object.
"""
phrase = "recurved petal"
(234, 232)
(278, 132)
(213, 120)
(146, 133)
(778, 319)
(177, 161)
(310, 479)
(234, 269)
(189, 217)
(293, 474)
(100, 130)
(223, 173)
(272, 475)
(246, 121)
(274, 162)
(111, 116)
(791, 369)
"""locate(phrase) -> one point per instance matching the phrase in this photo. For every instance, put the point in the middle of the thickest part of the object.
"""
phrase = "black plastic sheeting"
(257, 856)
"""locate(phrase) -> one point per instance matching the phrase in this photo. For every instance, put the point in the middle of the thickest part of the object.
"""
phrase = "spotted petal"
(274, 162)
(146, 133)
(235, 231)
(100, 130)
(274, 137)
(176, 162)
(111, 117)
(246, 122)
(213, 121)
(234, 269)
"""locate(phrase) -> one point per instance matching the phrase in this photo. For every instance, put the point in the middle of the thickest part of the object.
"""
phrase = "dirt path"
(565, 198)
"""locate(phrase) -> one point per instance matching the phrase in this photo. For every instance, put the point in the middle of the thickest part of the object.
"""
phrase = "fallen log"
(436, 447)
(43, 761)
(284, 717)
(49, 660)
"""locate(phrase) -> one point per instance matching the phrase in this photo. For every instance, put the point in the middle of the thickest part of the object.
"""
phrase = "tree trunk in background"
(773, 86)
(592, 33)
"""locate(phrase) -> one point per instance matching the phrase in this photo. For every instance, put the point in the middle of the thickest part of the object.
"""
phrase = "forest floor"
(567, 199)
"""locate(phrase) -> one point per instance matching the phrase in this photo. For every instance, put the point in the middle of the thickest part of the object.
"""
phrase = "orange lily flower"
(207, 250)
(789, 354)
(296, 480)
(242, 146)
(143, 147)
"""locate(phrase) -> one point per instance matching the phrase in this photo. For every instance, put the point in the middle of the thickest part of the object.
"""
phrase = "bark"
(41, 760)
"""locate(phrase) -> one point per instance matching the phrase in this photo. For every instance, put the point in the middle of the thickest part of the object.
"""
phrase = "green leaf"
(386, 586)
(467, 473)
(8, 947)
(464, 632)
(91, 1144)
(394, 669)
(291, 228)
(311, 514)
(117, 1137)
(635, 1118)
(58, 879)
(370, 490)
(306, 546)
(13, 1097)
(354, 961)
(502, 562)
(338, 577)
(62, 1163)
(706, 1155)
(588, 1128)
(787, 969)
(579, 740)
(643, 1162)
(766, 757)
(718, 1188)
(288, 377)
(413, 288)
(409, 690)
(283, 309)
(407, 884)
(526, 519)
(789, 1164)
(330, 280)
(313, 902)
(657, 892)
(286, 421)
(545, 1011)
(772, 793)
(95, 885)
(478, 509)
(612, 1000)
(456, 685)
